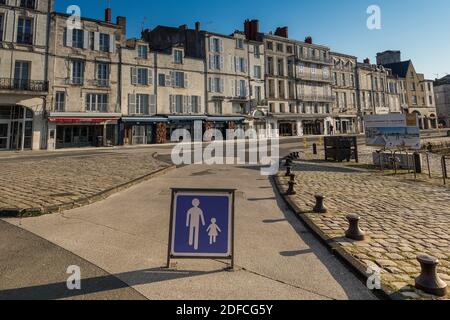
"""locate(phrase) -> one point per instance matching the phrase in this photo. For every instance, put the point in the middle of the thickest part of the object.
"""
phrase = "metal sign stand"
(205, 192)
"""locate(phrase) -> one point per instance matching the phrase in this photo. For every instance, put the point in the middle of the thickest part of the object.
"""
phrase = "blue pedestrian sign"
(202, 224)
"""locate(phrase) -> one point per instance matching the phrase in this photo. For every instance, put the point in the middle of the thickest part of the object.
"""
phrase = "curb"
(355, 265)
(34, 212)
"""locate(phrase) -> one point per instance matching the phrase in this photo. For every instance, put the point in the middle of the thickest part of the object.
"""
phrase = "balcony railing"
(23, 85)
(315, 59)
(314, 77)
(316, 98)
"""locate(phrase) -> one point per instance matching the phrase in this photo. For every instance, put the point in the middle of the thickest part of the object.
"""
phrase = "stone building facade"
(24, 46)
(346, 113)
(84, 105)
(442, 96)
(298, 85)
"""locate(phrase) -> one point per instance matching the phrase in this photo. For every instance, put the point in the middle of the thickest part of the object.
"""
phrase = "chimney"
(367, 61)
(309, 40)
(251, 29)
(183, 27)
(108, 15)
(282, 32)
(122, 22)
(197, 26)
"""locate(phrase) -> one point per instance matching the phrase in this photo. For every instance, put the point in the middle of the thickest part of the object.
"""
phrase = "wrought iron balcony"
(23, 85)
(316, 98)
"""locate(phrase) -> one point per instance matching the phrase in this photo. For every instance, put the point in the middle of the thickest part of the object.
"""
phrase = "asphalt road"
(32, 268)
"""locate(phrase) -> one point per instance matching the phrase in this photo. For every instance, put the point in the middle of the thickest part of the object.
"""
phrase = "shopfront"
(16, 128)
(139, 130)
(313, 127)
(222, 124)
(345, 126)
(287, 128)
(81, 132)
(181, 128)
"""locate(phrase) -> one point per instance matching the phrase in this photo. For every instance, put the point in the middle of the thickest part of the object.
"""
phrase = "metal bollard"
(288, 162)
(314, 148)
(320, 207)
(291, 189)
(354, 232)
(292, 177)
(288, 171)
(429, 281)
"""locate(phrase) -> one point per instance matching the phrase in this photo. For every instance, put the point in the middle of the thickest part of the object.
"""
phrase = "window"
(96, 102)
(270, 46)
(195, 104)
(29, 4)
(238, 108)
(162, 80)
(178, 56)
(25, 31)
(240, 43)
(258, 72)
(270, 66)
(429, 84)
(78, 38)
(77, 72)
(343, 81)
(141, 104)
(102, 74)
(215, 62)
(21, 74)
(1, 27)
(218, 107)
(142, 52)
(280, 47)
(60, 101)
(257, 51)
(216, 85)
(352, 80)
(258, 95)
(241, 65)
(215, 45)
(414, 100)
(104, 42)
(141, 76)
(177, 103)
(281, 67)
(289, 49)
(179, 80)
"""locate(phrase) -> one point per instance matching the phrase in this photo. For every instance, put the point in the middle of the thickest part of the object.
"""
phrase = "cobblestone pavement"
(402, 218)
(50, 184)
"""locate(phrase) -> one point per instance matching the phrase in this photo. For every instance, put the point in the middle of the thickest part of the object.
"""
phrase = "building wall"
(34, 53)
(442, 94)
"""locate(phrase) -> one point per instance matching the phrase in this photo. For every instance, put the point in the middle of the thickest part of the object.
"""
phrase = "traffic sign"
(202, 224)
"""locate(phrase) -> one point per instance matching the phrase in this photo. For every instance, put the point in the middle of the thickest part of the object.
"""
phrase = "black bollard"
(429, 281)
(291, 189)
(319, 207)
(354, 232)
(288, 162)
(314, 148)
(292, 177)
(288, 171)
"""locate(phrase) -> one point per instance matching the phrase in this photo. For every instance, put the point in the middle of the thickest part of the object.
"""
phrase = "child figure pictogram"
(213, 231)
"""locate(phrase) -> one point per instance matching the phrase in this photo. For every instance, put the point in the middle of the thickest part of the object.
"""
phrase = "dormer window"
(29, 4)
(178, 56)
(240, 43)
(142, 52)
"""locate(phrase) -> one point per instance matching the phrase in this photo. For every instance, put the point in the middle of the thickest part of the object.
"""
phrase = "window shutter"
(199, 104)
(172, 104)
(70, 71)
(85, 39)
(152, 104)
(131, 103)
(96, 41)
(238, 88)
(221, 45)
(186, 104)
(172, 78)
(186, 84)
(210, 44)
(245, 66)
(231, 63)
(168, 80)
(150, 77)
(69, 37)
(221, 63)
(209, 84)
(233, 87)
(221, 85)
(134, 76)
(112, 43)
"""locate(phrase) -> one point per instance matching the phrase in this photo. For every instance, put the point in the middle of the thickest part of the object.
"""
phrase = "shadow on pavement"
(56, 291)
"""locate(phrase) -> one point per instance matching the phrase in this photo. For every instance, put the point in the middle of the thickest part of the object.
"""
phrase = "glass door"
(4, 137)
(22, 75)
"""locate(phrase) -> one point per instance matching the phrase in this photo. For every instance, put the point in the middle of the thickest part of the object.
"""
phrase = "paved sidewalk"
(45, 185)
(276, 256)
(402, 218)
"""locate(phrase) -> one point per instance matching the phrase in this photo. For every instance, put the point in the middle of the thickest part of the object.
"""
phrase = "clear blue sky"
(419, 28)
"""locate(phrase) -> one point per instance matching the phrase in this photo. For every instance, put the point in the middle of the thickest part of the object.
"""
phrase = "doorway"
(4, 136)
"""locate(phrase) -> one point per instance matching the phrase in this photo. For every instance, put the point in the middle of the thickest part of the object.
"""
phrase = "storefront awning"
(81, 120)
(225, 119)
(144, 119)
(187, 118)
